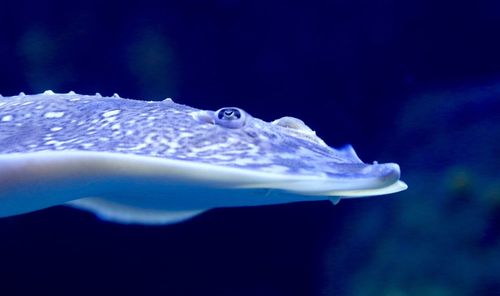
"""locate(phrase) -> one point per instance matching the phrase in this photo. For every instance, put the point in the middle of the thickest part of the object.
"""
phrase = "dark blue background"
(413, 82)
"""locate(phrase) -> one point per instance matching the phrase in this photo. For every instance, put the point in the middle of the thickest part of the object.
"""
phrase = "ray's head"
(228, 137)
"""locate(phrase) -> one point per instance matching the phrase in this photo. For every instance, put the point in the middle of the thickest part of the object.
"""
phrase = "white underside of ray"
(142, 189)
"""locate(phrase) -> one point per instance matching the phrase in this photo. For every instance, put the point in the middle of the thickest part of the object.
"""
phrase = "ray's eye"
(230, 117)
(229, 114)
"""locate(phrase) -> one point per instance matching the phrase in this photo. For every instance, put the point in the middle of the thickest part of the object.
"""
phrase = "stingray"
(160, 162)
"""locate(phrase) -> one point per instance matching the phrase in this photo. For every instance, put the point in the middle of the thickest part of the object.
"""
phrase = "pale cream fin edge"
(125, 214)
(393, 188)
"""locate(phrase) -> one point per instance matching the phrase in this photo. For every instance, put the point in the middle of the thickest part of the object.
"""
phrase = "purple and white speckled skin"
(62, 124)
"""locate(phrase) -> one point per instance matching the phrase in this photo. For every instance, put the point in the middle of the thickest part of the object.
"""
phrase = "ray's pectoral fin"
(126, 214)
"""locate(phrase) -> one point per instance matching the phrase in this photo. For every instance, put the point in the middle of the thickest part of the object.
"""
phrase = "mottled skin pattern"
(162, 129)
